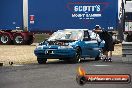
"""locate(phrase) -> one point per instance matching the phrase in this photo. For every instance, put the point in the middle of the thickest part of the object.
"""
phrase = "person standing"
(109, 44)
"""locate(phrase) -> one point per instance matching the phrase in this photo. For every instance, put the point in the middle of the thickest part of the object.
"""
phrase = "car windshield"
(66, 35)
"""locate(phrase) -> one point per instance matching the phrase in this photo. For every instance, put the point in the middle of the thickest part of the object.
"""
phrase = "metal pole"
(123, 16)
(122, 24)
(25, 15)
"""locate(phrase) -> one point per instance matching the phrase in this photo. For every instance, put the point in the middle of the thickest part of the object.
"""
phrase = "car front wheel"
(77, 57)
(41, 60)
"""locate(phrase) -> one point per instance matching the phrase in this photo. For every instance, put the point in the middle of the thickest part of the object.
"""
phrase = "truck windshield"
(66, 35)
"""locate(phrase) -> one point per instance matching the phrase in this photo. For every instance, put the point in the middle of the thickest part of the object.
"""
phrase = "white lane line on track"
(17, 65)
(101, 65)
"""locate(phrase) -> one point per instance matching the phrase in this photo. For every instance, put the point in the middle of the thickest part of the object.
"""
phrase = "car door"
(91, 46)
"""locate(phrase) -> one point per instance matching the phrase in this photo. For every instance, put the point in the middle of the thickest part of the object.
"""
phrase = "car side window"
(86, 36)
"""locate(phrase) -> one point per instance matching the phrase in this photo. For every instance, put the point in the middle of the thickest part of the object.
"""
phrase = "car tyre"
(41, 60)
(77, 57)
(100, 56)
(97, 58)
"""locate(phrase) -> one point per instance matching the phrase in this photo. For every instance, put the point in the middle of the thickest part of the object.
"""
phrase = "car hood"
(58, 44)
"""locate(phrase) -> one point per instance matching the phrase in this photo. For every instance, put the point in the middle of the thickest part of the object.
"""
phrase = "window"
(86, 36)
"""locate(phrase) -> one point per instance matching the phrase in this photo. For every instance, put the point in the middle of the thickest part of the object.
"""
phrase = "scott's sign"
(89, 8)
(86, 10)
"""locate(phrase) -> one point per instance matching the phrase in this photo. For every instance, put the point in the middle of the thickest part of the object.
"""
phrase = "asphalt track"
(60, 74)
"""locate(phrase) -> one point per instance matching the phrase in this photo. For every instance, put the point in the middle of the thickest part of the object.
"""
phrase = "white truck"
(127, 25)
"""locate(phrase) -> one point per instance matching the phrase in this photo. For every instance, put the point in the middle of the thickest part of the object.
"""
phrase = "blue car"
(70, 45)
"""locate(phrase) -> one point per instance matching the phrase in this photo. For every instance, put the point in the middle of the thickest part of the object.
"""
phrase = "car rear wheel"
(97, 58)
(100, 56)
(77, 57)
(41, 60)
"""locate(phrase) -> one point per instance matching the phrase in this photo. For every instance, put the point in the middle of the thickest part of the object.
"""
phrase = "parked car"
(70, 45)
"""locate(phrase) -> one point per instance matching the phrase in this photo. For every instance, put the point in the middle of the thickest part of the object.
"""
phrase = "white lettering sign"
(86, 11)
(87, 8)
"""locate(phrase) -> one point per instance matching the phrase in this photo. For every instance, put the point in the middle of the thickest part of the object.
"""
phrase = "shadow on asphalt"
(92, 61)
(63, 62)
(116, 60)
(68, 62)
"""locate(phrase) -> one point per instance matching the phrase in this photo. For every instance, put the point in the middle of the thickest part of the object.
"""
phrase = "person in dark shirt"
(109, 45)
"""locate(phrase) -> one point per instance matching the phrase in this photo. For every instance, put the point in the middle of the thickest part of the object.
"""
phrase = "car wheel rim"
(19, 39)
(101, 54)
(4, 39)
(78, 58)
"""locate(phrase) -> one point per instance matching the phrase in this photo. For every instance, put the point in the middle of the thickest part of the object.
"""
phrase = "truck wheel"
(5, 39)
(41, 60)
(18, 39)
(77, 57)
